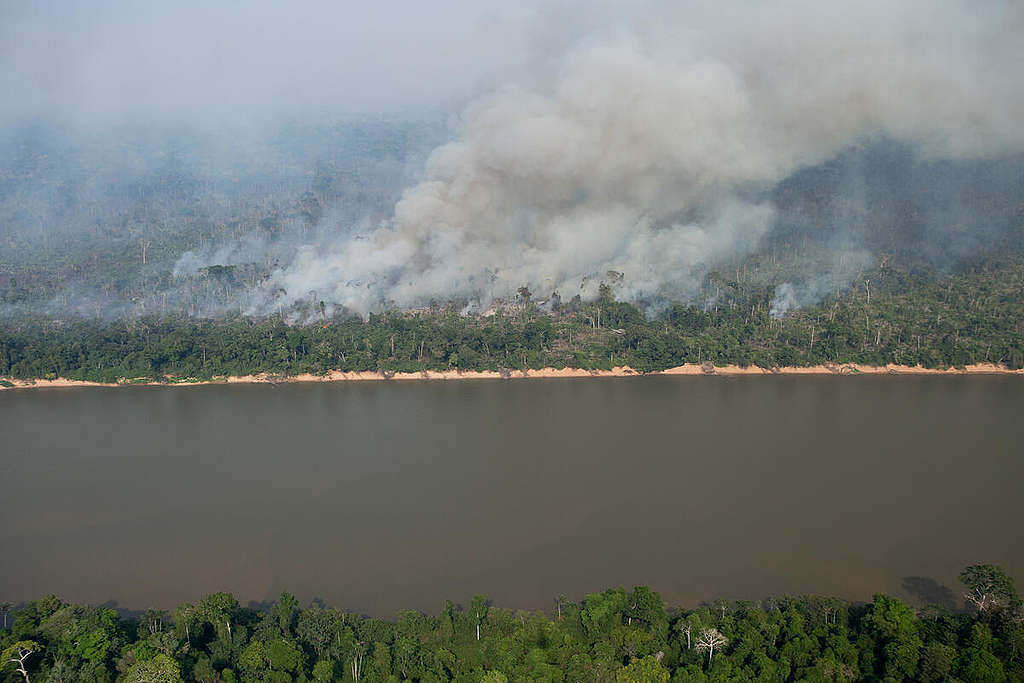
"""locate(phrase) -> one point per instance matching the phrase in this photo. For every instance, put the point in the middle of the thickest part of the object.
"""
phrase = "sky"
(120, 61)
(638, 137)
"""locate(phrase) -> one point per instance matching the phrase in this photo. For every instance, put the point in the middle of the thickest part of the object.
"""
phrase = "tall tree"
(316, 627)
(708, 640)
(989, 588)
(478, 610)
(18, 654)
(897, 629)
(159, 669)
(284, 612)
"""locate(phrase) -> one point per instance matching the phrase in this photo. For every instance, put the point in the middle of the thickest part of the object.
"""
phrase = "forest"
(150, 258)
(890, 315)
(617, 635)
(191, 192)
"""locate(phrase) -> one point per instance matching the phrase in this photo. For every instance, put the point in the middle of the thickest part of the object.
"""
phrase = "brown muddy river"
(389, 495)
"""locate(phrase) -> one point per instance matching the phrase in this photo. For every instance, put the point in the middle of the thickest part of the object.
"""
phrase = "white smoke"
(828, 275)
(650, 143)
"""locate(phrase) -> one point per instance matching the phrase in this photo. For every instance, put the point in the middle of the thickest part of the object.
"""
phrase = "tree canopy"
(617, 635)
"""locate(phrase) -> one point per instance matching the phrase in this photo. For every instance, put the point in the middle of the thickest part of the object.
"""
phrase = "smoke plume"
(650, 143)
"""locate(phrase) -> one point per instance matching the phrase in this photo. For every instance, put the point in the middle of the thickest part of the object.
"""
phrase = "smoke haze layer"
(211, 158)
(652, 143)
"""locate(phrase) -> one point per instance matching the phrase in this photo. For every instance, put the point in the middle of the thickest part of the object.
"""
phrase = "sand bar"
(704, 369)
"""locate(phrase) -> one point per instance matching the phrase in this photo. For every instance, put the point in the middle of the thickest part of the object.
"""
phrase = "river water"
(379, 496)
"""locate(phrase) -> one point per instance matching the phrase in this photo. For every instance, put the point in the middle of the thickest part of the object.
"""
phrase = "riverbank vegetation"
(890, 315)
(617, 635)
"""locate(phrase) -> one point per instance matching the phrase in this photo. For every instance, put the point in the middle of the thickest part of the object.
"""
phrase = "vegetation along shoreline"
(627, 636)
(688, 369)
(910, 324)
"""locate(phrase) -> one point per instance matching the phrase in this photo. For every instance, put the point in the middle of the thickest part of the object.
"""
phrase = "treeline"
(617, 635)
(889, 315)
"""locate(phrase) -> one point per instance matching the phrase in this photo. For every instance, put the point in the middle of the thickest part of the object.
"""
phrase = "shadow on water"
(930, 592)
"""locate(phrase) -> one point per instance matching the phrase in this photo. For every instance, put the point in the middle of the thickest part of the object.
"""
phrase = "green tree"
(981, 666)
(185, 617)
(478, 612)
(316, 627)
(602, 611)
(323, 671)
(255, 660)
(159, 669)
(647, 607)
(895, 627)
(643, 670)
(284, 612)
(937, 662)
(219, 610)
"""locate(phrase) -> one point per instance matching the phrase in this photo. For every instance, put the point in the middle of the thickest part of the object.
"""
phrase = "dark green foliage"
(617, 635)
(908, 319)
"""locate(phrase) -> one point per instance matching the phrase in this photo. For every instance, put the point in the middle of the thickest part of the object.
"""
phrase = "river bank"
(691, 369)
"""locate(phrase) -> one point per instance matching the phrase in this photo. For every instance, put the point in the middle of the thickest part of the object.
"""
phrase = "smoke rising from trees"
(665, 142)
(652, 144)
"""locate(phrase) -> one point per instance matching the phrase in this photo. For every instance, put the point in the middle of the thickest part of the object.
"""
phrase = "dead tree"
(357, 660)
(708, 640)
(18, 653)
(153, 621)
(686, 628)
(559, 599)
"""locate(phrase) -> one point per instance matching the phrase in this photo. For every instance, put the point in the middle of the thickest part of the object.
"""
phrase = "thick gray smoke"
(651, 141)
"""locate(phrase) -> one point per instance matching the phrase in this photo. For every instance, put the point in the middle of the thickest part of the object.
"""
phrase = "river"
(379, 496)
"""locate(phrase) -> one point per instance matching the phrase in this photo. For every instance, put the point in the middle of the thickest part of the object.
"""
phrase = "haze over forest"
(276, 197)
(200, 160)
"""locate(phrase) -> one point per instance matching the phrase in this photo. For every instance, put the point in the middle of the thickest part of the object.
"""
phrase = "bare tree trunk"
(19, 659)
(357, 666)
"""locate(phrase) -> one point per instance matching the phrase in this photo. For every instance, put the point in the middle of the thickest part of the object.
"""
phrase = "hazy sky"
(637, 136)
(117, 60)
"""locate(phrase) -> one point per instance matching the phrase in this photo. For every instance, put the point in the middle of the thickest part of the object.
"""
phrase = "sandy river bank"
(543, 373)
